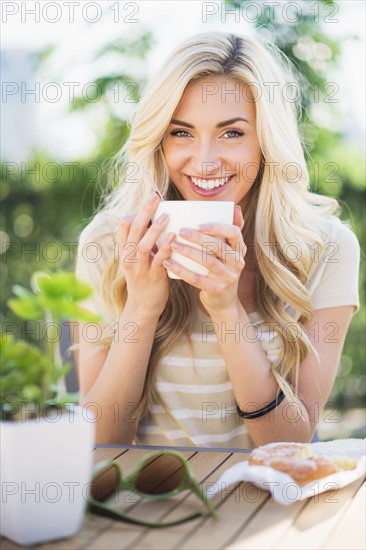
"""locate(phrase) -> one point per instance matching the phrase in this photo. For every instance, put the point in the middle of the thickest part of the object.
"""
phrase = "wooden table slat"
(266, 527)
(107, 453)
(235, 512)
(350, 533)
(317, 520)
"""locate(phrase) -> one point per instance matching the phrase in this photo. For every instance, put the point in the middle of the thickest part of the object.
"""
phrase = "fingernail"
(162, 218)
(153, 197)
(170, 238)
(185, 232)
(207, 226)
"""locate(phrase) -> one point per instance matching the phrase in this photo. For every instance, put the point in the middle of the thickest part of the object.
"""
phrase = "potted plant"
(46, 440)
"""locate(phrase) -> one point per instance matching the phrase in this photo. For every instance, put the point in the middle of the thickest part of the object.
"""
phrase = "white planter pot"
(45, 472)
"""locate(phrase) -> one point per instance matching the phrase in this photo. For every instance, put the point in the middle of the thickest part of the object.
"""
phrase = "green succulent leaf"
(21, 291)
(72, 398)
(26, 307)
(31, 393)
(65, 286)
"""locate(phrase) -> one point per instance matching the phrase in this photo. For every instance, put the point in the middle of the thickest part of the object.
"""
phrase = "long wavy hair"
(281, 209)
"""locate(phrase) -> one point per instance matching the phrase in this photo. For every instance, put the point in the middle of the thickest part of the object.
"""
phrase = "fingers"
(141, 221)
(233, 239)
(125, 248)
(124, 226)
(215, 267)
(198, 281)
(211, 285)
(148, 243)
(137, 235)
(238, 217)
(164, 252)
(229, 232)
(230, 249)
(211, 243)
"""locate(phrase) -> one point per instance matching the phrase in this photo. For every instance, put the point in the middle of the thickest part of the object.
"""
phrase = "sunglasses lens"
(104, 483)
(162, 474)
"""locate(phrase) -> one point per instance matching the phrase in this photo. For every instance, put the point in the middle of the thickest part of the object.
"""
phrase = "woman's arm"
(111, 382)
(248, 367)
(327, 332)
(253, 382)
(114, 380)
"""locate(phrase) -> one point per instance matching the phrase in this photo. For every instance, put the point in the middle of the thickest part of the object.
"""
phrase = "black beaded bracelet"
(256, 414)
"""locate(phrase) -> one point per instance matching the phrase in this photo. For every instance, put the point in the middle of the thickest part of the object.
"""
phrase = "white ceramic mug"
(191, 214)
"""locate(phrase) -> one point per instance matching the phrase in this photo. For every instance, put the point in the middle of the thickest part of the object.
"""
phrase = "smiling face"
(211, 146)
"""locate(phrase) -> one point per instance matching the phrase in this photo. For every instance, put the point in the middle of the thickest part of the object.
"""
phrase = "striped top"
(198, 406)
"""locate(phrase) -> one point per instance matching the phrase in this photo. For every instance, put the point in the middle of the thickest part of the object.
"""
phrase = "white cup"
(191, 214)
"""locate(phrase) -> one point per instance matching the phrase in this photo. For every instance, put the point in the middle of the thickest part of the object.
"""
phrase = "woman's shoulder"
(338, 234)
(334, 280)
(100, 229)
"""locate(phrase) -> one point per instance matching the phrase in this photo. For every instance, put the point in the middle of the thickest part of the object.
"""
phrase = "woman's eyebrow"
(219, 125)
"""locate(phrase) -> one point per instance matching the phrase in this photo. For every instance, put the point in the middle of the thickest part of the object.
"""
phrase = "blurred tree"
(45, 202)
(297, 29)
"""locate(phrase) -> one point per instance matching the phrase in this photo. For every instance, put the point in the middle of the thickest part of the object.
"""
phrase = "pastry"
(298, 461)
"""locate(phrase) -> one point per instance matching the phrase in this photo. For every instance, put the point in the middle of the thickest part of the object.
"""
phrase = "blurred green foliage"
(43, 214)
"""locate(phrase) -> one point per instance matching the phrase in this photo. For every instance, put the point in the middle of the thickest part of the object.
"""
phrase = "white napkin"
(283, 488)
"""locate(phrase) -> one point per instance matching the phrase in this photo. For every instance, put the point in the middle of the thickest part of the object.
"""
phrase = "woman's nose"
(206, 159)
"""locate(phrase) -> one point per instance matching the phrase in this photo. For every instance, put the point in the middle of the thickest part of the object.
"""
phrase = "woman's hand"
(146, 277)
(223, 252)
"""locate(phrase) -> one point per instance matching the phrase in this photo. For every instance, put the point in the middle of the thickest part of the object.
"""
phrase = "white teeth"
(209, 184)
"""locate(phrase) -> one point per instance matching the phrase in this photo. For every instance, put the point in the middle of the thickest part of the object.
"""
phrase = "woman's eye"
(179, 133)
(234, 133)
(230, 133)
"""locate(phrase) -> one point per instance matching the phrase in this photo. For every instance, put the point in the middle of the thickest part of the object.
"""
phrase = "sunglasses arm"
(102, 509)
(205, 499)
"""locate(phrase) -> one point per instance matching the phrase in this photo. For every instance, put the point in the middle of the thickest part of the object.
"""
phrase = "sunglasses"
(158, 475)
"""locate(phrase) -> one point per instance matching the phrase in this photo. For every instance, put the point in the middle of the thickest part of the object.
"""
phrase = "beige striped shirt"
(198, 406)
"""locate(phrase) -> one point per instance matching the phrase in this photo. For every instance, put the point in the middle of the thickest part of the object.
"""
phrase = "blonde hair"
(281, 209)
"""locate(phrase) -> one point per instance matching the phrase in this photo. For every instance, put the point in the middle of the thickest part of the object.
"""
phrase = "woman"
(248, 354)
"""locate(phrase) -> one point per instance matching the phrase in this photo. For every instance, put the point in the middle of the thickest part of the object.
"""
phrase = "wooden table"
(248, 518)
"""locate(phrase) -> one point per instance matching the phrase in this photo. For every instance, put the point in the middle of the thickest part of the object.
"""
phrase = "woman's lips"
(208, 192)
